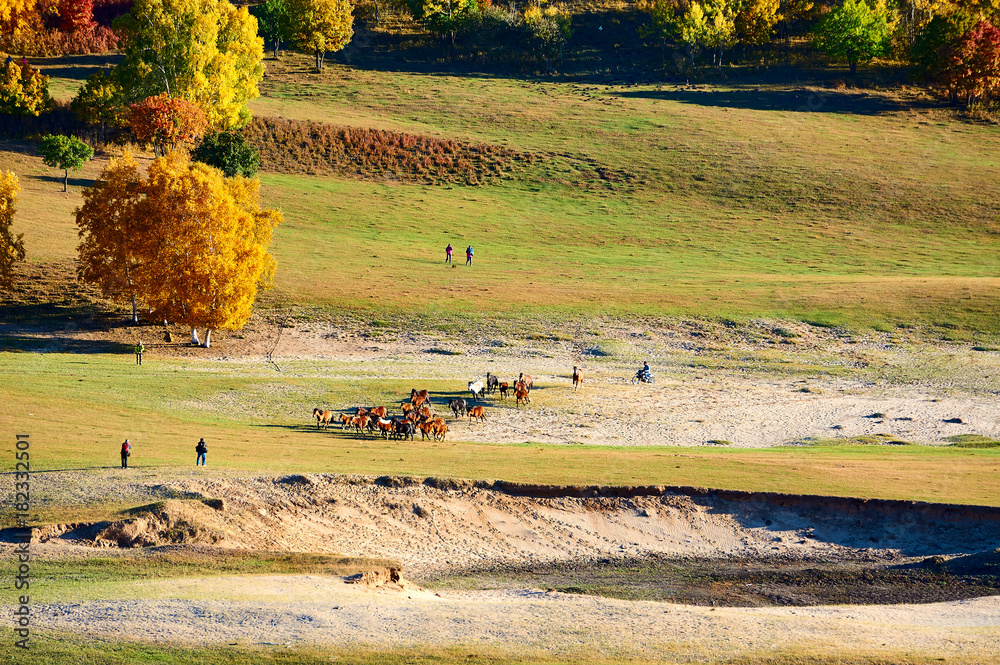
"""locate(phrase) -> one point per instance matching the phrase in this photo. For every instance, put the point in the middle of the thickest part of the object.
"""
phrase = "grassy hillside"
(862, 208)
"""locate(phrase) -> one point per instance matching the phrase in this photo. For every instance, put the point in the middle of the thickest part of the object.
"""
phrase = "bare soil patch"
(516, 572)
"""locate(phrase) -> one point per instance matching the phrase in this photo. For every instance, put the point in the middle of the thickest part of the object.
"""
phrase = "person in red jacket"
(126, 453)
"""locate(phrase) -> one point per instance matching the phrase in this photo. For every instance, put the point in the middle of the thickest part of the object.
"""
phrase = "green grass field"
(862, 209)
(260, 423)
(875, 209)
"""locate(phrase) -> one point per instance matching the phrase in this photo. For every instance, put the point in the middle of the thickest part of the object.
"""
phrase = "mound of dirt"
(165, 522)
(433, 525)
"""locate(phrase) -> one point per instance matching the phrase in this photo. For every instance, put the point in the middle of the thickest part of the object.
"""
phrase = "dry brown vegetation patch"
(296, 147)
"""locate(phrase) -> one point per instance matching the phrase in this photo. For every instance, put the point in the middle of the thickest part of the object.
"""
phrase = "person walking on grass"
(201, 449)
(139, 349)
(126, 453)
(468, 255)
(447, 253)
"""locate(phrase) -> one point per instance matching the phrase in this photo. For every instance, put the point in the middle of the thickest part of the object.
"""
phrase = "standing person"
(447, 251)
(126, 453)
(201, 449)
(139, 349)
(468, 255)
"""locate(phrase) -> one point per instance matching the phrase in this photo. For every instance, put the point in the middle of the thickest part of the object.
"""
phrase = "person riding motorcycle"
(644, 374)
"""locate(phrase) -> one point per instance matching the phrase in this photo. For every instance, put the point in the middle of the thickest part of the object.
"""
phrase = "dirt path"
(325, 611)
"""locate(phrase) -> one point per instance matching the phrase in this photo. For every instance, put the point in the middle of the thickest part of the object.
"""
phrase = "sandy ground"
(435, 530)
(327, 611)
(431, 529)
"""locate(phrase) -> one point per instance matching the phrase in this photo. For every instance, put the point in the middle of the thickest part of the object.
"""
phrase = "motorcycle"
(641, 376)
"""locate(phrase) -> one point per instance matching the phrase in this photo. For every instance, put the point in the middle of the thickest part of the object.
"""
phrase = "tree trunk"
(854, 67)
(65, 179)
(208, 338)
(194, 337)
(135, 312)
(277, 45)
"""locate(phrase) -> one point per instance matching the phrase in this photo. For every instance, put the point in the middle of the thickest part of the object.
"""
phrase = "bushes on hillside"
(290, 146)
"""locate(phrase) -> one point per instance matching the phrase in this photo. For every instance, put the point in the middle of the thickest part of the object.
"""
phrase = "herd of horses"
(417, 413)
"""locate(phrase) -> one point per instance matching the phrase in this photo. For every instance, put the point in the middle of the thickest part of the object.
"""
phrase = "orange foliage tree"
(165, 121)
(973, 70)
(115, 246)
(11, 246)
(197, 242)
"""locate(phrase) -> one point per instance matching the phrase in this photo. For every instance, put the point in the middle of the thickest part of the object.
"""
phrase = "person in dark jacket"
(201, 449)
(126, 453)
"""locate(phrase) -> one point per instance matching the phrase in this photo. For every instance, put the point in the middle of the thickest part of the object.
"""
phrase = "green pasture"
(871, 209)
(77, 409)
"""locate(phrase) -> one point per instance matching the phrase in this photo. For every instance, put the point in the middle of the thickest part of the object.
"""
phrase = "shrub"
(230, 152)
(291, 146)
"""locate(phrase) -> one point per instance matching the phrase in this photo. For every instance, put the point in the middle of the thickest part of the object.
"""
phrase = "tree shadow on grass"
(58, 344)
(58, 179)
(76, 67)
(800, 100)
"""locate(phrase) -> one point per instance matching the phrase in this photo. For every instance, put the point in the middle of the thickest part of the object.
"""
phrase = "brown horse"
(577, 378)
(419, 397)
(527, 381)
(520, 394)
(323, 418)
(477, 412)
(504, 387)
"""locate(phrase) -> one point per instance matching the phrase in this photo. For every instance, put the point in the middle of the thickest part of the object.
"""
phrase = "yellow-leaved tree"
(11, 246)
(23, 90)
(116, 239)
(204, 51)
(195, 242)
(320, 26)
(211, 252)
(15, 15)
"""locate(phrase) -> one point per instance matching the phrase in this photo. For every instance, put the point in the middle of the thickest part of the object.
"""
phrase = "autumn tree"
(321, 26)
(661, 25)
(11, 246)
(710, 24)
(211, 254)
(165, 122)
(23, 90)
(973, 69)
(101, 101)
(855, 32)
(16, 16)
(755, 21)
(274, 22)
(76, 15)
(547, 30)
(187, 241)
(65, 152)
(205, 51)
(116, 239)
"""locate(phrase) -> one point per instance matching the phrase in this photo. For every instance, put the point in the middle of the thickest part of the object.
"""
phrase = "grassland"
(257, 423)
(58, 648)
(873, 209)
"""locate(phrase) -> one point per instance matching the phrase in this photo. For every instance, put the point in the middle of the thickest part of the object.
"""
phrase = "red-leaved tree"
(76, 15)
(973, 70)
(165, 121)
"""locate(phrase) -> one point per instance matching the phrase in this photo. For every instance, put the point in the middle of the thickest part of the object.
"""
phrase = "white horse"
(476, 388)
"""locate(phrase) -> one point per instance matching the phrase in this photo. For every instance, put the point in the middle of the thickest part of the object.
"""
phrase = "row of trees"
(48, 27)
(496, 33)
(187, 240)
(950, 42)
